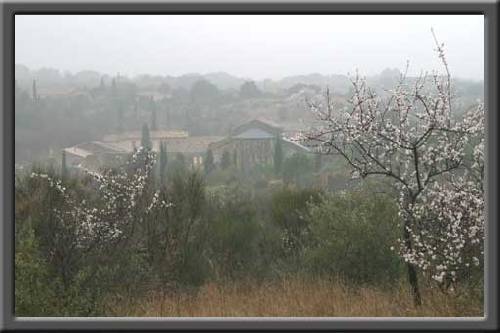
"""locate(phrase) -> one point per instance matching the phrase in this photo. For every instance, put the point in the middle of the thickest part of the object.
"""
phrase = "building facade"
(254, 143)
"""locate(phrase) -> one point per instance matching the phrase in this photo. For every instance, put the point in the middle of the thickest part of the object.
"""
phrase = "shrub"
(288, 212)
(352, 235)
(68, 245)
(233, 232)
(186, 233)
(34, 294)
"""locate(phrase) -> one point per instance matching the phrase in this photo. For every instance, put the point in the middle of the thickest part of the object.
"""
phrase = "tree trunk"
(413, 279)
(412, 271)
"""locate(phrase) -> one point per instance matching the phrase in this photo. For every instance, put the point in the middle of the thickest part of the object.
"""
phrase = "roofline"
(280, 129)
(296, 144)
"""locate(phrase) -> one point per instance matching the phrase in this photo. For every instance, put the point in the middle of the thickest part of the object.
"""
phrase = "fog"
(78, 78)
(204, 166)
(250, 46)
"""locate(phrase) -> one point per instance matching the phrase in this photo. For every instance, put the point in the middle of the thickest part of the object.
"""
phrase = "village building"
(114, 148)
(249, 144)
(133, 138)
(93, 155)
(194, 148)
(254, 143)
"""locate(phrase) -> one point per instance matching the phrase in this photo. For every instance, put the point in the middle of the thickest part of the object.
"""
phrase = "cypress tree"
(113, 87)
(63, 165)
(146, 138)
(153, 116)
(163, 161)
(180, 161)
(102, 85)
(34, 92)
(119, 126)
(209, 162)
(136, 110)
(225, 160)
(278, 155)
(235, 158)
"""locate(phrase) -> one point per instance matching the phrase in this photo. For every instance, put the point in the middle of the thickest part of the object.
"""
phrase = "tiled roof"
(196, 144)
(257, 123)
(254, 133)
(136, 135)
(296, 145)
(77, 152)
(95, 147)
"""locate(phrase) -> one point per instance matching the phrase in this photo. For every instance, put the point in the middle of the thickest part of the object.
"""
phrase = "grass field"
(296, 297)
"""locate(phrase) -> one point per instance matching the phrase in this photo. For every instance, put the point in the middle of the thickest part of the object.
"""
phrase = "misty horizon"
(250, 46)
(221, 72)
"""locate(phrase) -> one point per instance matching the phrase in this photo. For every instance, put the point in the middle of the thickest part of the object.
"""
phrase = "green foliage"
(243, 224)
(237, 244)
(352, 234)
(163, 159)
(119, 118)
(243, 240)
(34, 293)
(154, 126)
(34, 93)
(217, 232)
(187, 228)
(177, 166)
(278, 155)
(223, 176)
(288, 211)
(146, 138)
(209, 162)
(249, 90)
(225, 160)
(64, 169)
(204, 93)
(51, 269)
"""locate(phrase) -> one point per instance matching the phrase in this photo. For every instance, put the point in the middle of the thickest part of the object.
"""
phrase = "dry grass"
(295, 298)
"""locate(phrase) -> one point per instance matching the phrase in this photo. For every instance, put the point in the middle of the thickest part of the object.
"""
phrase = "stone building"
(134, 137)
(253, 143)
(115, 148)
(93, 155)
(249, 144)
(194, 148)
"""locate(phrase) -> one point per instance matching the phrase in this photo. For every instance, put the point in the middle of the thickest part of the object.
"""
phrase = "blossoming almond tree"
(121, 202)
(412, 137)
(449, 230)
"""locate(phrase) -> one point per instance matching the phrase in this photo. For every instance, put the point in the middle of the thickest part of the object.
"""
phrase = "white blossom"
(412, 137)
(118, 191)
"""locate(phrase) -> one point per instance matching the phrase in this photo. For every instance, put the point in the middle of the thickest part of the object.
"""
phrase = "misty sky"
(251, 46)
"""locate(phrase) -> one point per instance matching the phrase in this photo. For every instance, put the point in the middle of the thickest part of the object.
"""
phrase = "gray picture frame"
(9, 9)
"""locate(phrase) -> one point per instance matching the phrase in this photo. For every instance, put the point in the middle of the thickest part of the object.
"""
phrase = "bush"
(186, 230)
(352, 235)
(34, 294)
(41, 290)
(233, 232)
(241, 230)
(53, 249)
(223, 176)
(288, 212)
